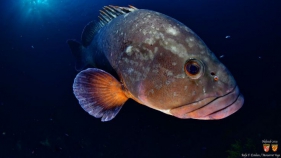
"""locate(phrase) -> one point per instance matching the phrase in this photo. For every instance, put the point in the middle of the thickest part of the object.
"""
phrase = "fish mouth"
(212, 108)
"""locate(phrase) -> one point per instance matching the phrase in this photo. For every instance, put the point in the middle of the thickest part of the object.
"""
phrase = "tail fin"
(80, 56)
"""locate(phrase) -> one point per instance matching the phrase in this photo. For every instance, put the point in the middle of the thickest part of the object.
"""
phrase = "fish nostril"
(212, 73)
(216, 78)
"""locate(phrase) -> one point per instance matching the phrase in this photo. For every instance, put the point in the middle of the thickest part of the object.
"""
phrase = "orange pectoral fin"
(99, 93)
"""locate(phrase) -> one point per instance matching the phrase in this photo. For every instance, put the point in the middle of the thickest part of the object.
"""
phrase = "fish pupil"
(193, 69)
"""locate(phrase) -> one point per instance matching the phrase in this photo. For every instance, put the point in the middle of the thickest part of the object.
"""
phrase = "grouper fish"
(156, 61)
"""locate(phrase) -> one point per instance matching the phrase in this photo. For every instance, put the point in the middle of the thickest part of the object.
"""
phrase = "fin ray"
(99, 93)
(110, 12)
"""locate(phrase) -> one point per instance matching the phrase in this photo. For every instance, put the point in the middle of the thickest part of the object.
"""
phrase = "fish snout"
(212, 108)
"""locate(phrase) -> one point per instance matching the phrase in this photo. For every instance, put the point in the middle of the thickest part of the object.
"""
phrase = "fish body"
(155, 60)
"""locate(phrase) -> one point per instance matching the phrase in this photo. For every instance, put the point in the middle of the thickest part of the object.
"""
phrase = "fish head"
(187, 80)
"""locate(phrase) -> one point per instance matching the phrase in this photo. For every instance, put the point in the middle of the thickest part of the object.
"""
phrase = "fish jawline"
(202, 108)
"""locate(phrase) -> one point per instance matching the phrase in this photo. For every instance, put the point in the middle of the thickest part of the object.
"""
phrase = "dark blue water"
(40, 117)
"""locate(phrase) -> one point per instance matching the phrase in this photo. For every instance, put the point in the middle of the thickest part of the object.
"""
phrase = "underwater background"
(40, 116)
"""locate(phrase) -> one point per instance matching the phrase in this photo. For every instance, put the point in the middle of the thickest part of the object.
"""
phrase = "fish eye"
(194, 68)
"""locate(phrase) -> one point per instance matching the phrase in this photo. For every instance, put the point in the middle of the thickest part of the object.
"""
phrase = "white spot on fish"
(151, 91)
(129, 50)
(151, 55)
(126, 60)
(201, 46)
(146, 70)
(207, 60)
(158, 86)
(142, 56)
(144, 32)
(180, 76)
(174, 47)
(155, 70)
(132, 62)
(169, 73)
(174, 63)
(172, 31)
(190, 44)
(130, 70)
(149, 41)
(227, 36)
(158, 35)
(191, 39)
(136, 76)
(155, 49)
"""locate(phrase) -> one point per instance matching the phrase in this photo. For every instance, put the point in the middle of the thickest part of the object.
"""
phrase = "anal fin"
(99, 93)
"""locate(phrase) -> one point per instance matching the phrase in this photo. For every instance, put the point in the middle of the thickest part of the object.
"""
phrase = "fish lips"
(211, 108)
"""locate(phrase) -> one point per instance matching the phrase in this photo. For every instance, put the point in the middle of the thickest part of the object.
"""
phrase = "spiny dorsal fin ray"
(106, 15)
(110, 12)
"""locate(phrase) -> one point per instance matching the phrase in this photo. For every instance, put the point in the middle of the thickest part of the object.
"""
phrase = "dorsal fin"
(89, 32)
(110, 12)
(106, 15)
